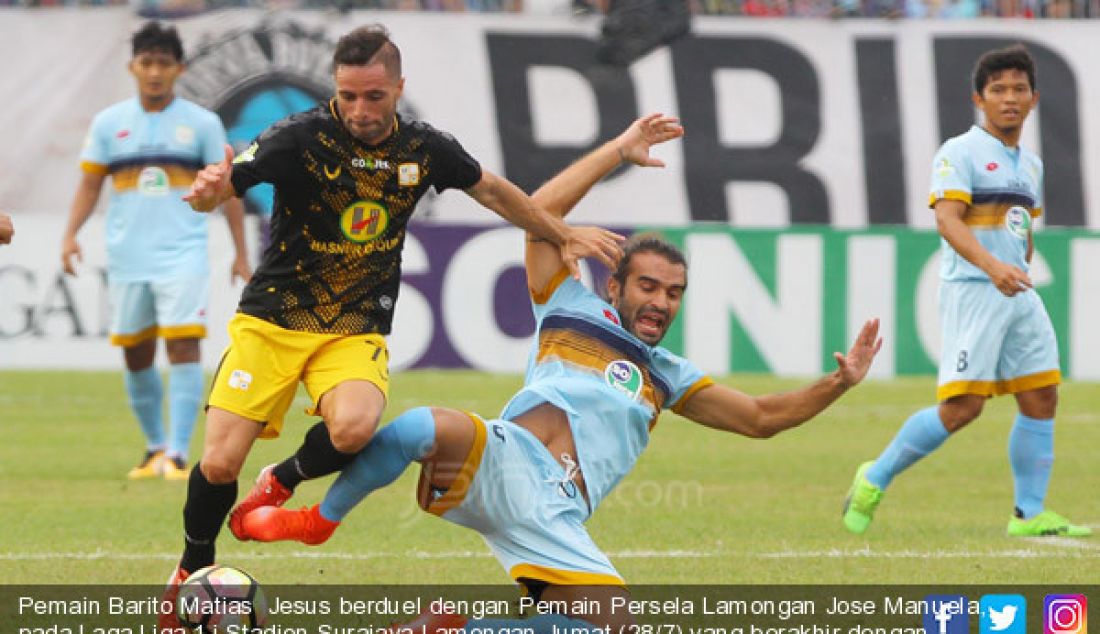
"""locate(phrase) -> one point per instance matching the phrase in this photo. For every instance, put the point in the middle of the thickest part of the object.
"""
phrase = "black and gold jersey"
(340, 215)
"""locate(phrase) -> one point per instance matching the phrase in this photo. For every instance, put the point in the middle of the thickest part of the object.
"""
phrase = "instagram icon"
(1065, 614)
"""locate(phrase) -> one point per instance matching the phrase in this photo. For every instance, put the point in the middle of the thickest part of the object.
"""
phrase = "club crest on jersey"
(153, 181)
(364, 221)
(1018, 222)
(185, 134)
(625, 377)
(408, 174)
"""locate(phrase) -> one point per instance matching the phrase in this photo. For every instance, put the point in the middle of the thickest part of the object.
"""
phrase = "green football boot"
(863, 499)
(1046, 524)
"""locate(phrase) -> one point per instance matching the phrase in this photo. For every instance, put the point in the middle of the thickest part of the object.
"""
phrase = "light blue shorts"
(994, 344)
(171, 309)
(515, 494)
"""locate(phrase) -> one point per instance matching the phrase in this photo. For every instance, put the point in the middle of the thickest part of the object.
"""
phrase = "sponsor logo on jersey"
(1018, 222)
(153, 181)
(364, 221)
(625, 377)
(333, 174)
(370, 163)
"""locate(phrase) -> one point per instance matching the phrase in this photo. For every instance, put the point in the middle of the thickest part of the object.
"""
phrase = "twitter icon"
(1003, 614)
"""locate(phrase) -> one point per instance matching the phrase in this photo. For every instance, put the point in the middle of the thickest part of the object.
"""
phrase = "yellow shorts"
(259, 371)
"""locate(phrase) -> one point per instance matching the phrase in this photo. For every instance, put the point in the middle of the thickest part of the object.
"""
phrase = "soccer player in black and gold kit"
(347, 176)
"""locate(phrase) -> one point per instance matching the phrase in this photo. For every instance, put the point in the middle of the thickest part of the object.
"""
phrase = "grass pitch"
(701, 506)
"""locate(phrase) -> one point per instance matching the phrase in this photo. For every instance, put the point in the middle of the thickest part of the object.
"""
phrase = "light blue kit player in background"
(997, 336)
(596, 383)
(158, 277)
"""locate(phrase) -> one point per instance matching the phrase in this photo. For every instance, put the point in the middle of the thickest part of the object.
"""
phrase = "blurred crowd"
(950, 9)
(914, 9)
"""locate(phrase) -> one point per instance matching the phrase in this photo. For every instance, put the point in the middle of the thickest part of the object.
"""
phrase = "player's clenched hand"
(70, 249)
(212, 185)
(584, 242)
(1008, 279)
(644, 133)
(853, 366)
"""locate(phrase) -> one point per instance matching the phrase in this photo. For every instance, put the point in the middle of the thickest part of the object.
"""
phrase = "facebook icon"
(946, 614)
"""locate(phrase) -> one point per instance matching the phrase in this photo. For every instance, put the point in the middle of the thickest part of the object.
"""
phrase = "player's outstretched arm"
(212, 186)
(87, 194)
(562, 192)
(727, 409)
(233, 209)
(949, 221)
(509, 202)
(7, 229)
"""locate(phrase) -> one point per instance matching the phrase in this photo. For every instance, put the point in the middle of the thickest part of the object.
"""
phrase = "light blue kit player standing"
(596, 382)
(158, 277)
(997, 336)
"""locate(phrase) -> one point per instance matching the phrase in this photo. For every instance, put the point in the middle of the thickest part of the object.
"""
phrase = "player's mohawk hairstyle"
(365, 45)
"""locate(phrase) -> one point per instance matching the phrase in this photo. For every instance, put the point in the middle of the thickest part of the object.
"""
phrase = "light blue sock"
(539, 624)
(1031, 452)
(918, 437)
(146, 394)
(184, 398)
(407, 438)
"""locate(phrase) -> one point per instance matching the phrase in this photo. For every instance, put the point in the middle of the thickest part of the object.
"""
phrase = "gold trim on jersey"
(543, 296)
(992, 214)
(996, 388)
(132, 339)
(706, 381)
(457, 493)
(127, 178)
(93, 168)
(188, 331)
(589, 354)
(559, 577)
(948, 194)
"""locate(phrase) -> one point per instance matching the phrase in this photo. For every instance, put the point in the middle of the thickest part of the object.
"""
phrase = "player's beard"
(629, 315)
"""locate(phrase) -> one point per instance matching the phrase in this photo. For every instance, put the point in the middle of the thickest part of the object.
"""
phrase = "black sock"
(203, 515)
(315, 458)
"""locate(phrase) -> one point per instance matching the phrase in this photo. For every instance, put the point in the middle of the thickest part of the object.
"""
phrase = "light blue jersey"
(1002, 188)
(152, 158)
(611, 385)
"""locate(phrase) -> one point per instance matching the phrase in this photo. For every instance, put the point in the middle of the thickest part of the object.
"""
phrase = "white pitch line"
(360, 556)
(933, 554)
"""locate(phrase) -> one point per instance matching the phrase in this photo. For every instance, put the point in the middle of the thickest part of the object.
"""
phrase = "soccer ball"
(221, 599)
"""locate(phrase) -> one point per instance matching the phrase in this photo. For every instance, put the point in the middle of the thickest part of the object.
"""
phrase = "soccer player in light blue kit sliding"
(997, 337)
(596, 382)
(152, 145)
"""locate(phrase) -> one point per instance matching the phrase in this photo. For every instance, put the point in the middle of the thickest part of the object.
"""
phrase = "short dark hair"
(647, 243)
(156, 37)
(1014, 57)
(366, 45)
